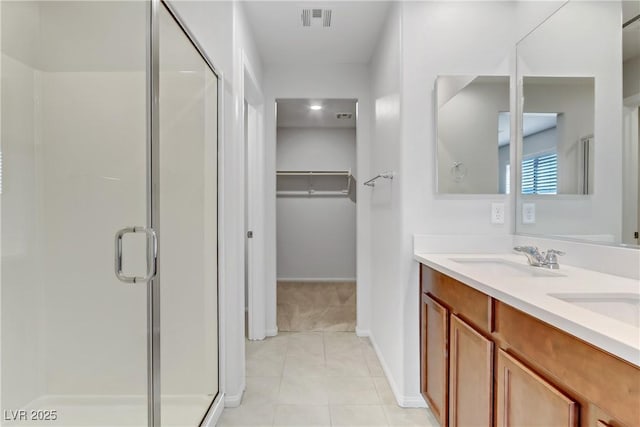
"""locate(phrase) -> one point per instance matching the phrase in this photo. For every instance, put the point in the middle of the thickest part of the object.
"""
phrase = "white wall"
(421, 42)
(316, 236)
(631, 77)
(550, 52)
(540, 142)
(338, 81)
(316, 149)
(385, 204)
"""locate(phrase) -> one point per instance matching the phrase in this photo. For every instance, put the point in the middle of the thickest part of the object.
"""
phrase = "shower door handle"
(152, 254)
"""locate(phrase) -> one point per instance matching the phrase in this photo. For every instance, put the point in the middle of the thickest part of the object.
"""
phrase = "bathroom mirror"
(557, 153)
(596, 195)
(473, 134)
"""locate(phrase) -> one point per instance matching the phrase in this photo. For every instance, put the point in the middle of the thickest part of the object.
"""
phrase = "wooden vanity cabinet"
(434, 377)
(523, 398)
(470, 375)
(507, 368)
(598, 418)
(468, 384)
(600, 382)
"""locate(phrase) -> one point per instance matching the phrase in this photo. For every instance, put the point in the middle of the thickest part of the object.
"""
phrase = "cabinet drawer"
(471, 305)
(569, 361)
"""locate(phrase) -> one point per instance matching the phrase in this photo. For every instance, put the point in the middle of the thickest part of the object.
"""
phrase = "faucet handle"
(554, 252)
(526, 249)
(551, 259)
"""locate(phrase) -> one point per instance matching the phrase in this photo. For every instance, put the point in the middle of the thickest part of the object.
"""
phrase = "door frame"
(254, 205)
(153, 212)
(270, 301)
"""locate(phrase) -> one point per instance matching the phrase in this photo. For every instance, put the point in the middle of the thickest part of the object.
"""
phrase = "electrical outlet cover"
(528, 213)
(497, 213)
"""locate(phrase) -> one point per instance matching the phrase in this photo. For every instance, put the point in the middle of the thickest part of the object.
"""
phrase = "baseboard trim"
(215, 411)
(233, 401)
(316, 279)
(402, 400)
(414, 402)
(363, 332)
(271, 332)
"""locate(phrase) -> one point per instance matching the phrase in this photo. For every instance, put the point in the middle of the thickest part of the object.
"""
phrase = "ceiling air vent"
(343, 116)
(316, 18)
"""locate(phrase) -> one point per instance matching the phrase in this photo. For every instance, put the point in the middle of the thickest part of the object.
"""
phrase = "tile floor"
(318, 379)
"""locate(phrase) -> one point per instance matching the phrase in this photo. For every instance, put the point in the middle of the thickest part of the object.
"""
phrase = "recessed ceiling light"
(316, 107)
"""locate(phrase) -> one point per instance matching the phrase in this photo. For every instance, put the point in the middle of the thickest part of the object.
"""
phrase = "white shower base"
(114, 411)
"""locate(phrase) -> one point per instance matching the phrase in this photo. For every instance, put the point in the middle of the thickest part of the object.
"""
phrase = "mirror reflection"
(631, 122)
(557, 135)
(473, 134)
(596, 196)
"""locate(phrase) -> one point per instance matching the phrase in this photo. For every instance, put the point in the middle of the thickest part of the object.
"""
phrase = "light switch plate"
(528, 213)
(497, 213)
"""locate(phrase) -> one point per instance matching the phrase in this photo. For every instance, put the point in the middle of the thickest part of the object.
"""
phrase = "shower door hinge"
(249, 234)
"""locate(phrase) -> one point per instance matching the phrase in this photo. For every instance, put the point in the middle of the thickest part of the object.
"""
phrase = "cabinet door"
(433, 357)
(525, 399)
(471, 376)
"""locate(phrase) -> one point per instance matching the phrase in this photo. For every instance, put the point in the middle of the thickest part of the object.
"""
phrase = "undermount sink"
(502, 267)
(624, 307)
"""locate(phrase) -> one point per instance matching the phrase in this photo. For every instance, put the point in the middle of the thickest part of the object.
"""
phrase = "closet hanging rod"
(313, 193)
(319, 173)
(386, 175)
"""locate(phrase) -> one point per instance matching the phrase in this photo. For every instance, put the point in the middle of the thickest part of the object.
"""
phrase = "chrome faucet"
(536, 258)
(551, 259)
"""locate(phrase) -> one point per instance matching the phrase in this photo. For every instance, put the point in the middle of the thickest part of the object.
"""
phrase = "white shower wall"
(22, 292)
(68, 187)
(94, 183)
(74, 155)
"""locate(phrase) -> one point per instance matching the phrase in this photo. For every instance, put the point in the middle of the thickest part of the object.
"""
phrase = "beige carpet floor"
(317, 306)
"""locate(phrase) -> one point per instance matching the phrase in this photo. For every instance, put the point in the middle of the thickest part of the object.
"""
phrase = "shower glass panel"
(188, 220)
(73, 128)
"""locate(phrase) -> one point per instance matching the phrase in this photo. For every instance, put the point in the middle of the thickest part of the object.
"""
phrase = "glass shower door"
(74, 147)
(188, 101)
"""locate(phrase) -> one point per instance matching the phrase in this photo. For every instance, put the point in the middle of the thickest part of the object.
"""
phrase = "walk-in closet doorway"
(316, 214)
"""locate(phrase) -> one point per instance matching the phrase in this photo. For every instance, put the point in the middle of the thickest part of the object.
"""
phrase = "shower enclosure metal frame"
(153, 199)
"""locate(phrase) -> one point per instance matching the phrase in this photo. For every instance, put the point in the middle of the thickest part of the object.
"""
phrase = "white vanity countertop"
(530, 295)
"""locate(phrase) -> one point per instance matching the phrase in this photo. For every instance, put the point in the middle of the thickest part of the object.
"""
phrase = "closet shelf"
(313, 183)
